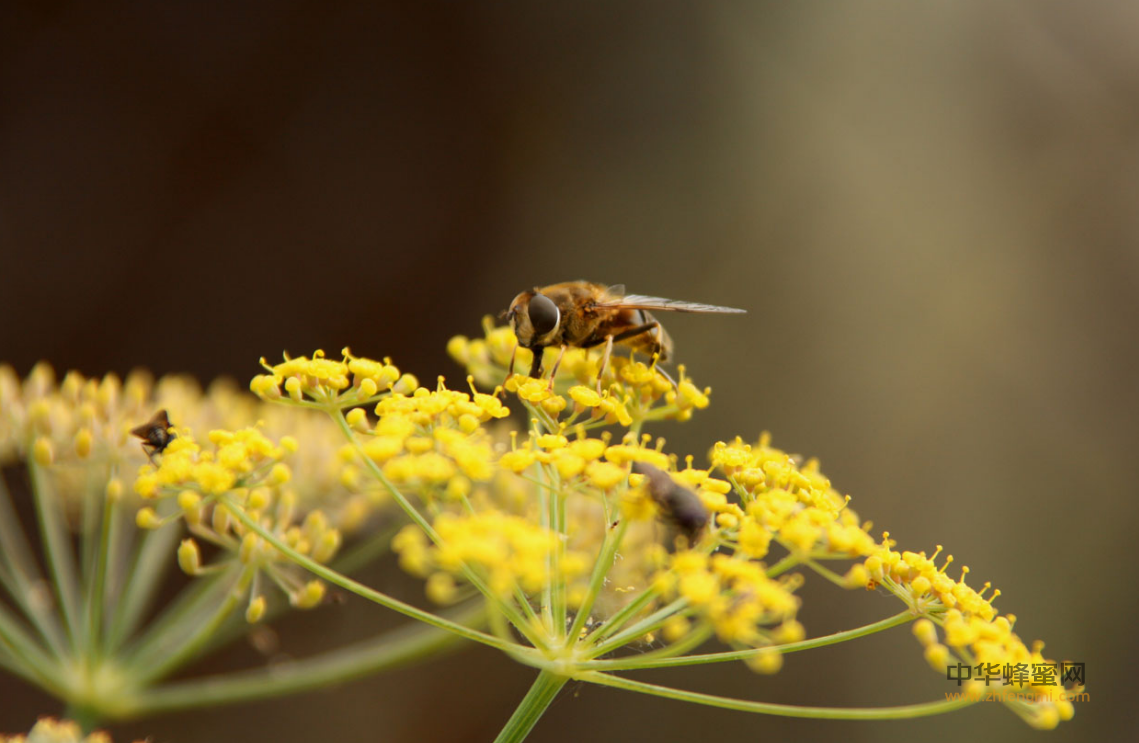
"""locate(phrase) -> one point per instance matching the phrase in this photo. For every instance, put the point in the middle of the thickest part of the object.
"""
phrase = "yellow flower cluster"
(350, 381)
(731, 593)
(429, 440)
(792, 504)
(250, 467)
(972, 628)
(73, 420)
(85, 421)
(590, 461)
(508, 551)
(632, 391)
(243, 458)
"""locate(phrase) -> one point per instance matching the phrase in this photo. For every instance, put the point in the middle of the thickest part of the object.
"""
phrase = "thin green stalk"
(153, 556)
(693, 639)
(188, 610)
(902, 712)
(601, 568)
(394, 649)
(531, 708)
(336, 579)
(827, 573)
(29, 659)
(641, 661)
(149, 669)
(560, 599)
(783, 566)
(363, 553)
(57, 550)
(93, 599)
(617, 621)
(19, 572)
(648, 624)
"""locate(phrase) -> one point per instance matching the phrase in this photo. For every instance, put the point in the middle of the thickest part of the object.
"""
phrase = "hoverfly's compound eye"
(544, 314)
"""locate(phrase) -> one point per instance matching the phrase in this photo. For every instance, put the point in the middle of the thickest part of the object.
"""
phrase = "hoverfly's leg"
(604, 360)
(536, 367)
(633, 332)
(509, 371)
(149, 451)
(665, 374)
(554, 371)
(654, 328)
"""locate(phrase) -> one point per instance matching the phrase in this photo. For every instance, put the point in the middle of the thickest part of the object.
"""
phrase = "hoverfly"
(584, 315)
(679, 506)
(155, 434)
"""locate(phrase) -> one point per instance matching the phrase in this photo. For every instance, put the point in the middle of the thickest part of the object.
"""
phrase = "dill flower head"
(95, 644)
(575, 544)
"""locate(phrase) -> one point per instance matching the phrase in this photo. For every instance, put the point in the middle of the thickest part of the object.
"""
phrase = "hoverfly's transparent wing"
(643, 302)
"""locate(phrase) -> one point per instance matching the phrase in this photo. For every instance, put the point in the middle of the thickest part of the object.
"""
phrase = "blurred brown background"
(929, 210)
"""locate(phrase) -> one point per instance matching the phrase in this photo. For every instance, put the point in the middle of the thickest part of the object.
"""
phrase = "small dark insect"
(679, 506)
(155, 434)
(581, 314)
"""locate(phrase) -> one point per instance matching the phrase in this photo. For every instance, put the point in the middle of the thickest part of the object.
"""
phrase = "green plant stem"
(783, 566)
(648, 624)
(336, 579)
(18, 573)
(394, 649)
(149, 669)
(601, 568)
(791, 647)
(532, 707)
(624, 614)
(187, 610)
(25, 657)
(93, 600)
(57, 550)
(902, 712)
(367, 550)
(152, 558)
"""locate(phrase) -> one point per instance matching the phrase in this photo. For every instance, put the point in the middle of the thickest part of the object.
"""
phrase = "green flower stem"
(783, 566)
(188, 610)
(18, 573)
(509, 611)
(57, 549)
(151, 561)
(25, 657)
(902, 712)
(561, 611)
(532, 707)
(394, 649)
(94, 598)
(617, 621)
(827, 573)
(365, 552)
(692, 640)
(538, 414)
(601, 568)
(149, 669)
(638, 629)
(791, 647)
(336, 579)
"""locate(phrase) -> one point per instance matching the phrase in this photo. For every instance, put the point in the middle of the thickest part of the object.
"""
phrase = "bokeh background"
(928, 209)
